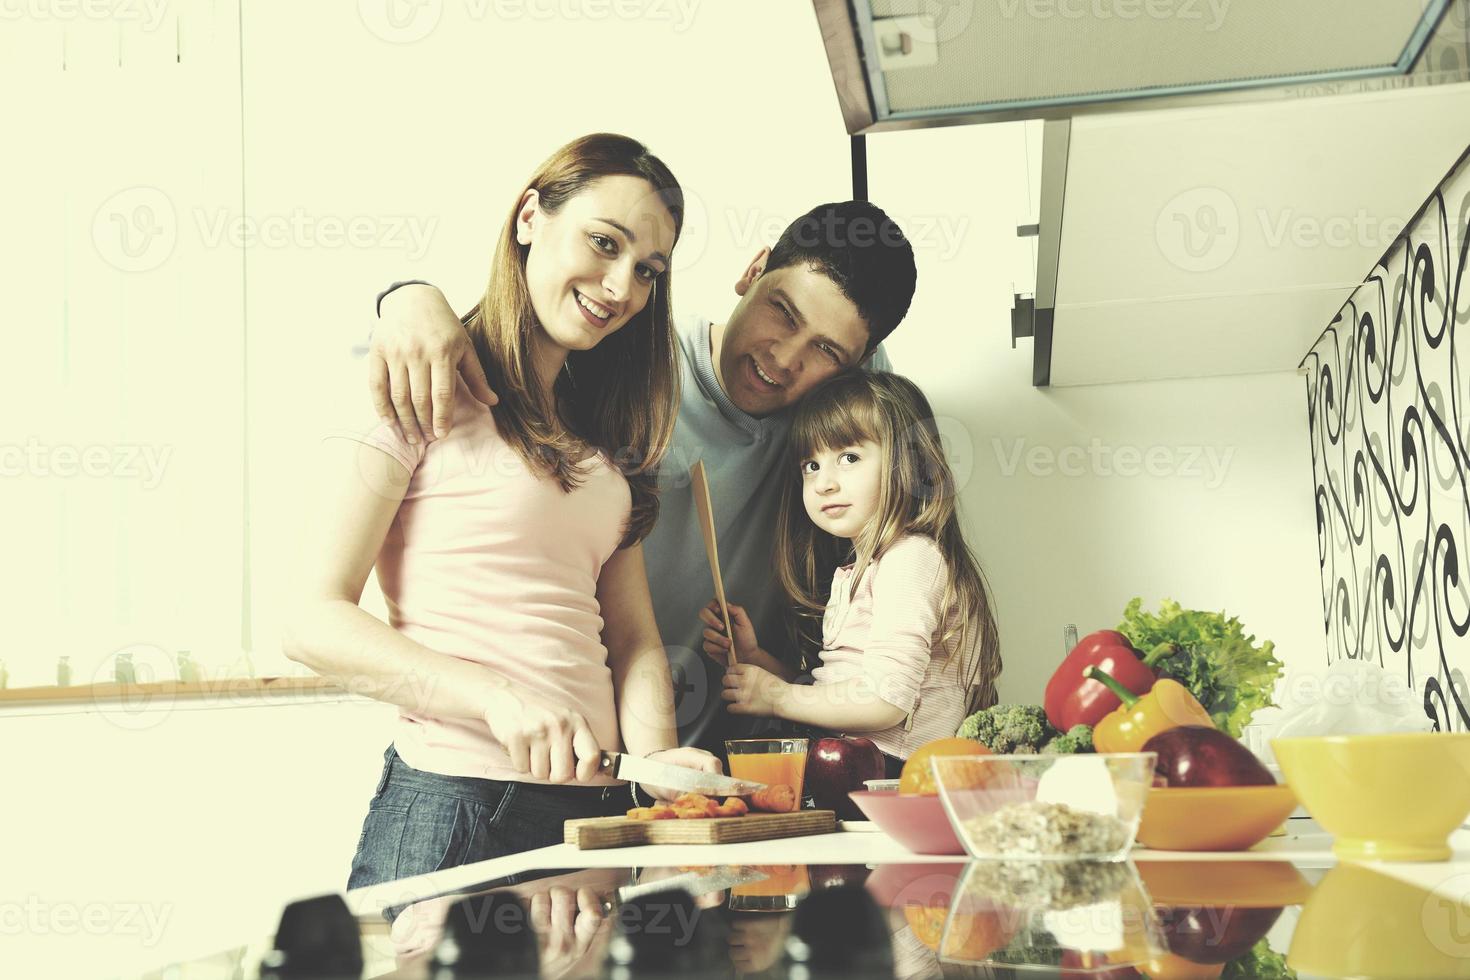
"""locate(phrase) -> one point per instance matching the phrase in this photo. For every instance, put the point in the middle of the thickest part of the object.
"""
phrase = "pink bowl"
(917, 822)
(894, 886)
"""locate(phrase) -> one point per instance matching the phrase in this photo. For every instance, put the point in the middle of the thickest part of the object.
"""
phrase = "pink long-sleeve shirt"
(491, 562)
(888, 633)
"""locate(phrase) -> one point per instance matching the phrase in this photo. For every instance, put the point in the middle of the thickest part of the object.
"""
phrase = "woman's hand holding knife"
(556, 743)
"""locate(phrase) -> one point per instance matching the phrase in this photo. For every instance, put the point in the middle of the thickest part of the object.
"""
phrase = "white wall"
(230, 810)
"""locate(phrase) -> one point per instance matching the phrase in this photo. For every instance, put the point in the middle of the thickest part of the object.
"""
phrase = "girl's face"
(591, 265)
(840, 487)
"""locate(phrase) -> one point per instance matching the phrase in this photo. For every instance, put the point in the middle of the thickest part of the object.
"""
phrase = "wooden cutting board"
(594, 833)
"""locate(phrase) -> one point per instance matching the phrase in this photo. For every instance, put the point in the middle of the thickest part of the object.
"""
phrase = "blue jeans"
(419, 821)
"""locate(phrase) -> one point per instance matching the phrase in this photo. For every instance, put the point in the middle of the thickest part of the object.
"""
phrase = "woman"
(521, 640)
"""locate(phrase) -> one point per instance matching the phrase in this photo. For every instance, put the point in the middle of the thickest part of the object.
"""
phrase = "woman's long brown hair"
(919, 497)
(622, 395)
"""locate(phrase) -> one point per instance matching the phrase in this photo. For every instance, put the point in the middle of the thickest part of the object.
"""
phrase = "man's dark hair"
(863, 252)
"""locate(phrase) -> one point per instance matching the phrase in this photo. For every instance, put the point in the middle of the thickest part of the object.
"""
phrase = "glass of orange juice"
(769, 760)
(780, 889)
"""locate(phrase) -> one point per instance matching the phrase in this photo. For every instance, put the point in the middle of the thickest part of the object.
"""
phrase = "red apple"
(840, 765)
(1215, 935)
(1194, 755)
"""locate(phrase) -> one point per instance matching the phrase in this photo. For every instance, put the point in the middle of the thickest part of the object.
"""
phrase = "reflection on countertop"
(1157, 919)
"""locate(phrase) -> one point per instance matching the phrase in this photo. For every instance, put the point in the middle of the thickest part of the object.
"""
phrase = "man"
(837, 282)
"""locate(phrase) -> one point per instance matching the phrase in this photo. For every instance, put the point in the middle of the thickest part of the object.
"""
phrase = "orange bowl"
(1259, 884)
(1213, 818)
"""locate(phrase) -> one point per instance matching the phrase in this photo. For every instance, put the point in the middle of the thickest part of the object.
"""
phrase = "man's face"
(791, 330)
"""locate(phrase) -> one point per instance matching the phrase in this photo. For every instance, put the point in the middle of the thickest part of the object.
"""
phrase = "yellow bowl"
(1213, 818)
(1360, 923)
(1384, 797)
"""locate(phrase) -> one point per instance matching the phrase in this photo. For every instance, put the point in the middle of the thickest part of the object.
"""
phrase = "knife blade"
(696, 883)
(636, 769)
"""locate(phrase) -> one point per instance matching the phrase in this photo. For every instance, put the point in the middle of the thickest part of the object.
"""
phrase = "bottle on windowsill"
(189, 672)
(63, 672)
(123, 670)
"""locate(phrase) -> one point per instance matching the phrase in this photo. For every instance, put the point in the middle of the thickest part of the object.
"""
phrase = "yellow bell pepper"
(1167, 705)
(1169, 966)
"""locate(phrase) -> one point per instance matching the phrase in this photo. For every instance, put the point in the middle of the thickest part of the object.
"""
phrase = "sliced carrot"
(709, 808)
(733, 806)
(776, 798)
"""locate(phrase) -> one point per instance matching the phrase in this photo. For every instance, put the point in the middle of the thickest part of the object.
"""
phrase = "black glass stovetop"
(1160, 919)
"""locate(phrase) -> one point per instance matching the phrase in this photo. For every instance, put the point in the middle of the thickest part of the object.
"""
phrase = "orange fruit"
(973, 936)
(917, 778)
(927, 924)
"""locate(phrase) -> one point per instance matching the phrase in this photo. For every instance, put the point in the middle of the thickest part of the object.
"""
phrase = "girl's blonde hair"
(919, 497)
(621, 396)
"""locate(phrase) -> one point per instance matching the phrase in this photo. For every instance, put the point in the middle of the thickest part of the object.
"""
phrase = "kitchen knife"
(696, 883)
(639, 770)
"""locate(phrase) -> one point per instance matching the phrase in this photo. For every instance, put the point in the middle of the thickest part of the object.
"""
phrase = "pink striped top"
(491, 562)
(888, 633)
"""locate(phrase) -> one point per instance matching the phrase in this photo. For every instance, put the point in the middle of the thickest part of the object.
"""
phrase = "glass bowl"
(1045, 807)
(1093, 918)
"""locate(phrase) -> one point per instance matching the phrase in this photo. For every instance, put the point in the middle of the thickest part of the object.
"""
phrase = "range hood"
(911, 63)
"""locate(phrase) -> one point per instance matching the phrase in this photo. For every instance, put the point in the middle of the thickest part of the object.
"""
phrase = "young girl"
(870, 554)
(521, 640)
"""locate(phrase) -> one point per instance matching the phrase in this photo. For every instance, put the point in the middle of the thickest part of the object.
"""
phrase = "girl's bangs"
(842, 415)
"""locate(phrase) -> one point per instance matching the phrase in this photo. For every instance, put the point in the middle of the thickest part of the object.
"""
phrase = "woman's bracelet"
(633, 790)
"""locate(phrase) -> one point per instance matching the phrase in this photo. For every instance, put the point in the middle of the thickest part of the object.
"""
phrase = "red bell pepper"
(1072, 699)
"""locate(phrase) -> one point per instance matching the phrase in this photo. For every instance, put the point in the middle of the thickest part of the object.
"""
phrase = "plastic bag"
(1351, 697)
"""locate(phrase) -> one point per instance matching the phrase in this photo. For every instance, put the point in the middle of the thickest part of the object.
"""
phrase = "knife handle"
(607, 764)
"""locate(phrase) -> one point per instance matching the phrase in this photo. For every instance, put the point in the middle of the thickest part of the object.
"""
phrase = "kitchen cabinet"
(1195, 242)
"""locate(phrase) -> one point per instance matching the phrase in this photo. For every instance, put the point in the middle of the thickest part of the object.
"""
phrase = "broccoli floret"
(1009, 728)
(1077, 740)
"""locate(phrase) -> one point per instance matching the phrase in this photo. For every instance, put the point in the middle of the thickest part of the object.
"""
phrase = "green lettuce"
(1208, 653)
(1261, 963)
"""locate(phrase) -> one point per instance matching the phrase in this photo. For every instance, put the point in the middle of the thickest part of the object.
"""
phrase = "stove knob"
(487, 936)
(839, 932)
(666, 934)
(317, 938)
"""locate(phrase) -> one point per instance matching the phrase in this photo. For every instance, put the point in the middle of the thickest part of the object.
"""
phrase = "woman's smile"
(593, 312)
